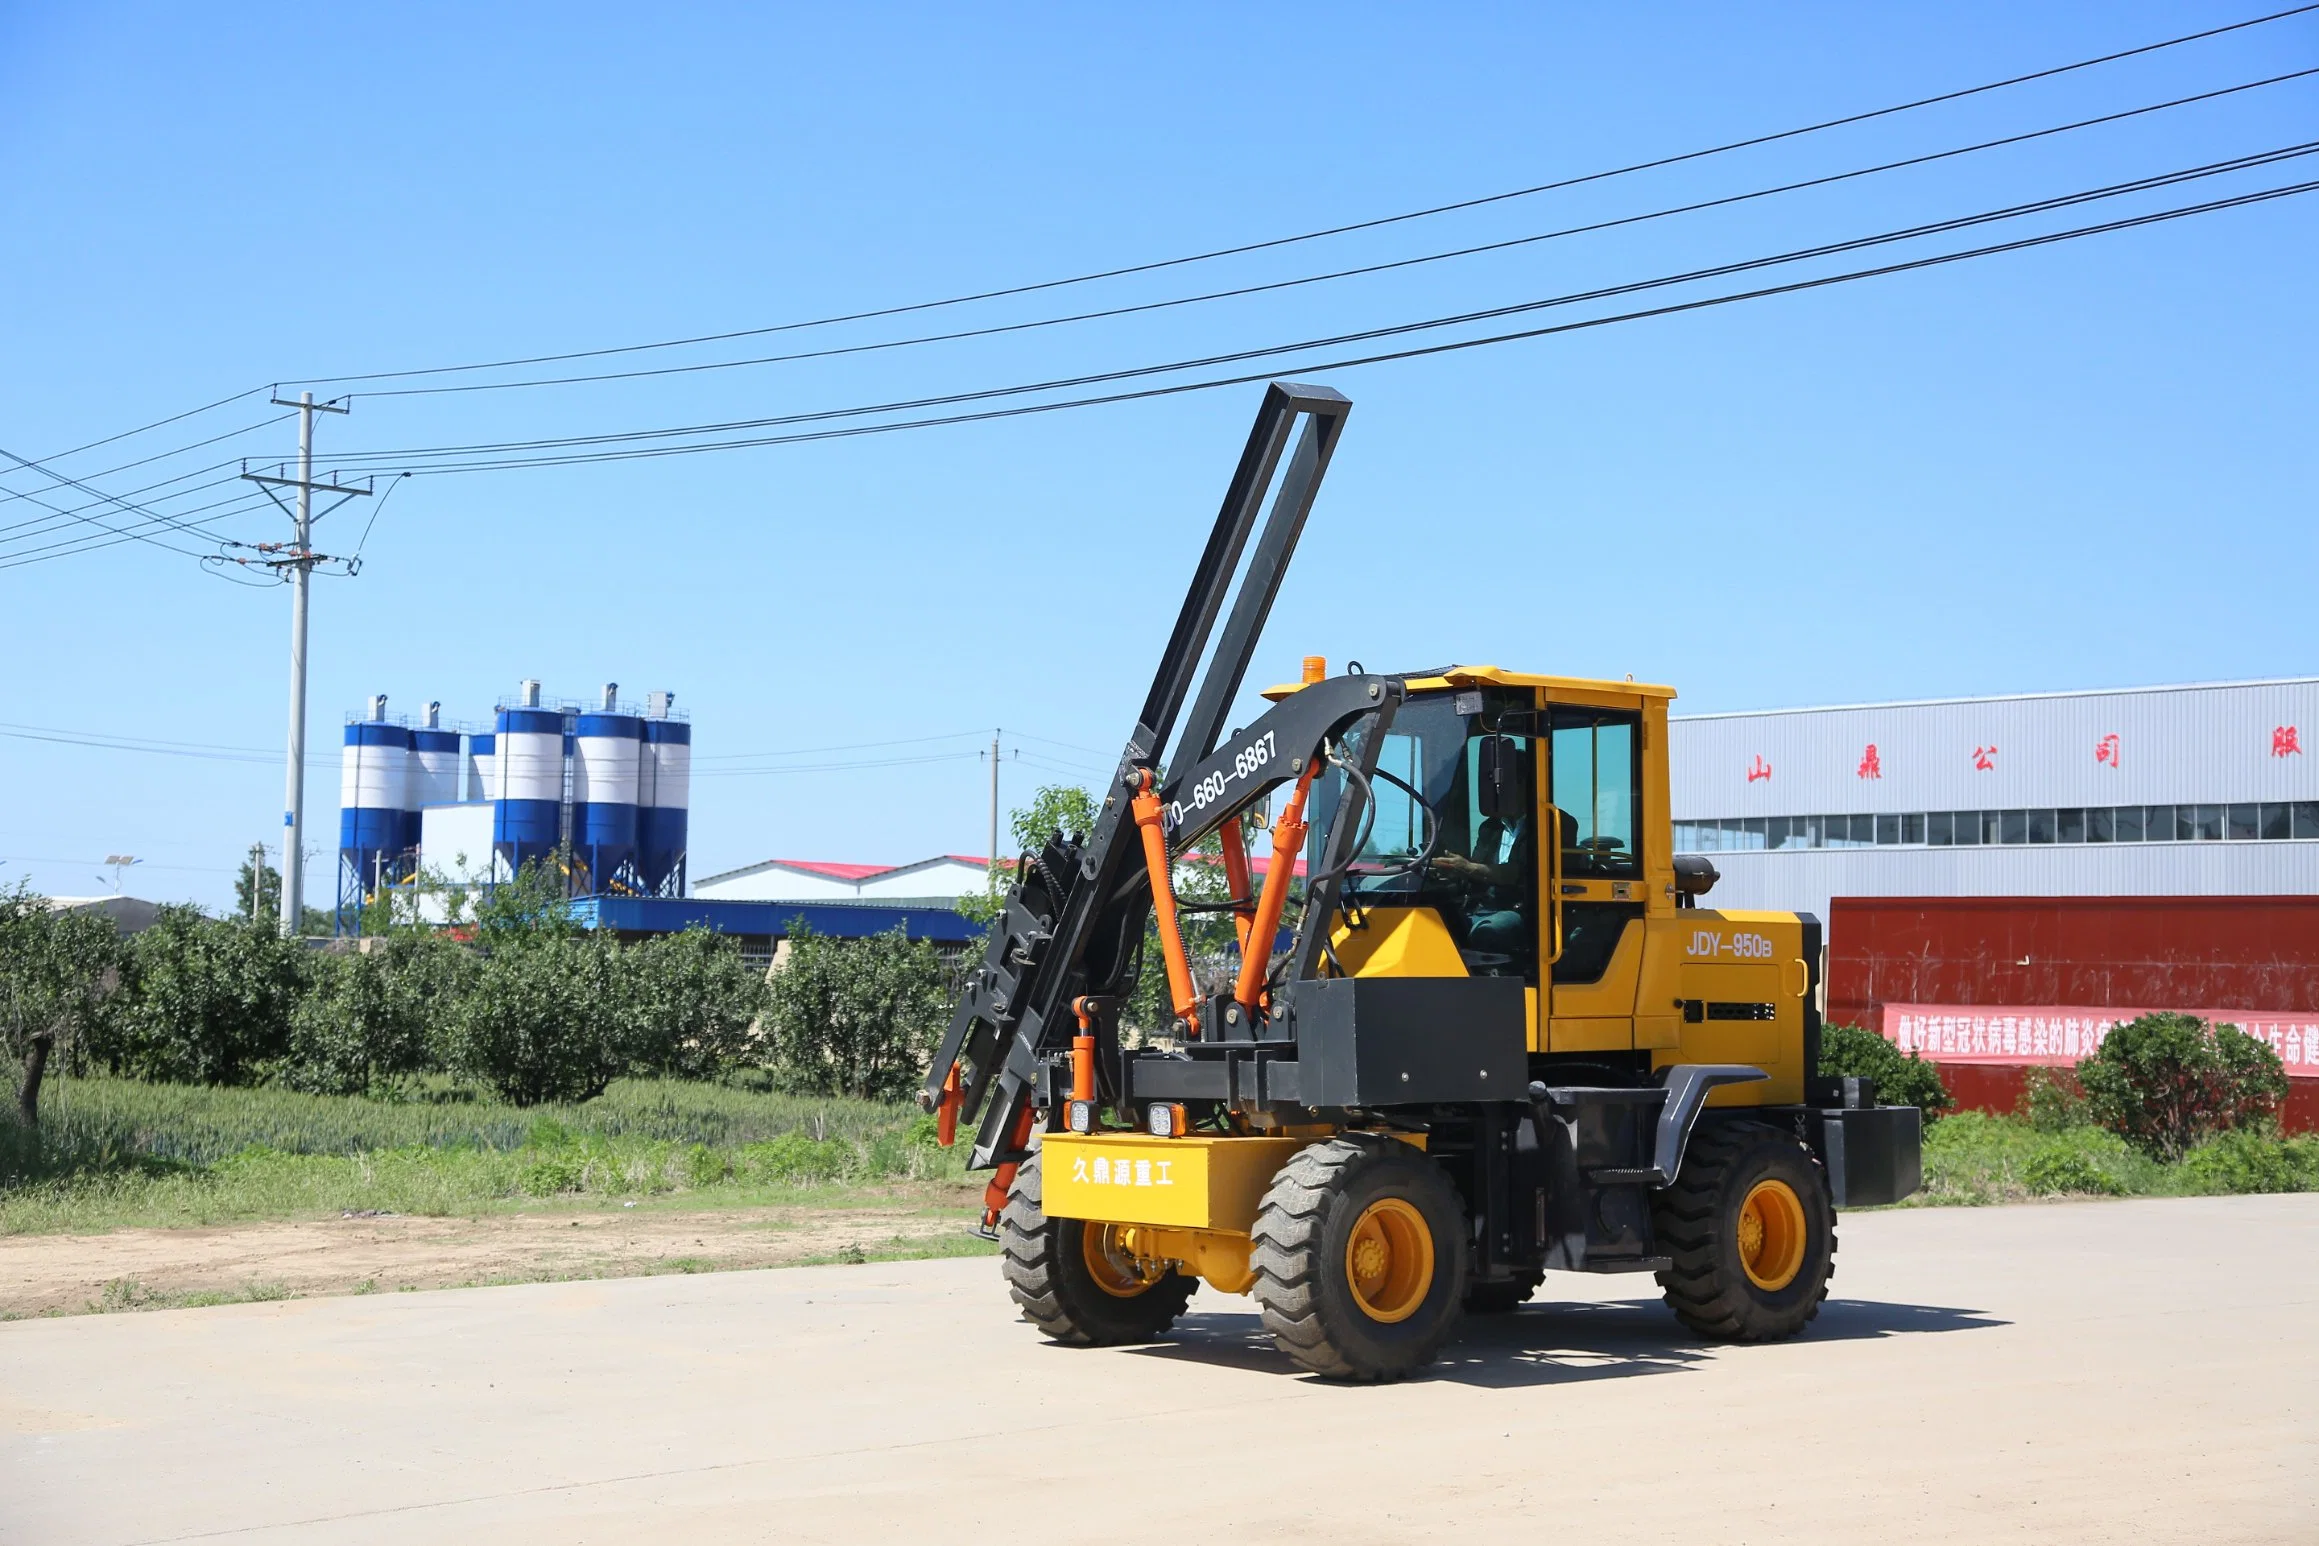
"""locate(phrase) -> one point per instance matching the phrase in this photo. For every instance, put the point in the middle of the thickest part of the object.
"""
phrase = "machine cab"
(1519, 827)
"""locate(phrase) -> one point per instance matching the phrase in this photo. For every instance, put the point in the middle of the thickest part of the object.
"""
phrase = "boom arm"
(1074, 920)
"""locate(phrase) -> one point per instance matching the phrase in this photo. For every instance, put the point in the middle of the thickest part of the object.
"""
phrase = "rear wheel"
(1752, 1233)
(1074, 1281)
(1360, 1258)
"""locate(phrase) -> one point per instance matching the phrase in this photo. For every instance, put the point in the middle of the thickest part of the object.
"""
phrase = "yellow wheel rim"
(1389, 1260)
(1771, 1235)
(1110, 1263)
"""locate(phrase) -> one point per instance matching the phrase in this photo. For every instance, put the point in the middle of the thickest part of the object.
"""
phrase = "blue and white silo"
(527, 784)
(607, 752)
(480, 762)
(434, 775)
(663, 799)
(373, 830)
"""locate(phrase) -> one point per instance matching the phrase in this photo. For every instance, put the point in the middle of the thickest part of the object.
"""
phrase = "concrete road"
(2133, 1371)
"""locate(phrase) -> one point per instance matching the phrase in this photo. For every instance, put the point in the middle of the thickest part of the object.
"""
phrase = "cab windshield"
(1426, 842)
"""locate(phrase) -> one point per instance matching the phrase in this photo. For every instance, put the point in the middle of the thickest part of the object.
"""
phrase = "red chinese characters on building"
(2106, 750)
(1985, 758)
(1758, 770)
(1871, 765)
(2286, 741)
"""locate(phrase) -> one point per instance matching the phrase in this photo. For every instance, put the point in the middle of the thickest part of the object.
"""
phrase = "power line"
(1241, 249)
(1250, 247)
(156, 424)
(1303, 280)
(1354, 362)
(147, 488)
(498, 453)
(123, 533)
(7, 494)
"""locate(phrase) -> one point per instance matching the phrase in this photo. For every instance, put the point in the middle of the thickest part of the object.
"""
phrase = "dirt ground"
(152, 1268)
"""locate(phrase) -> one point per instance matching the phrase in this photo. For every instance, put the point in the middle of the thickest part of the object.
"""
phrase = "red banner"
(2060, 1034)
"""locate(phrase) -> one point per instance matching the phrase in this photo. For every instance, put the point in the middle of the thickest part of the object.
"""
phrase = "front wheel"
(1072, 1279)
(1752, 1233)
(1360, 1258)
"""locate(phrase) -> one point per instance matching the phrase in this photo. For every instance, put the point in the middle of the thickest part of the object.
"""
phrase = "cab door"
(1593, 880)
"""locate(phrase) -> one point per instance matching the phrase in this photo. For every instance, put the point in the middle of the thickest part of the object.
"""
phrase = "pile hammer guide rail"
(1073, 923)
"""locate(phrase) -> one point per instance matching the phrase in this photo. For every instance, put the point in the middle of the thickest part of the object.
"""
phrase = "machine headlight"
(1164, 1120)
(1079, 1116)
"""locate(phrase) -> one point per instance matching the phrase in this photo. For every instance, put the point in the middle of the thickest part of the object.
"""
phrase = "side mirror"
(1503, 776)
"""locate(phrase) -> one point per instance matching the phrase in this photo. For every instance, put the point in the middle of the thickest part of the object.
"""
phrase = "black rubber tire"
(1302, 1230)
(1046, 1272)
(1697, 1221)
(1502, 1298)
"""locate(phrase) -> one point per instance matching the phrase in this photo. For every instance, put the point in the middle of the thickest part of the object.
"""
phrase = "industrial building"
(607, 784)
(936, 882)
(2199, 790)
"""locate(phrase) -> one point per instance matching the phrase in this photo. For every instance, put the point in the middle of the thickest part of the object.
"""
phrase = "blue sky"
(2086, 465)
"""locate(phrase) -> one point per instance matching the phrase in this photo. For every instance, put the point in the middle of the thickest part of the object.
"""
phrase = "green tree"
(203, 1001)
(691, 1003)
(1902, 1078)
(1064, 808)
(368, 1020)
(854, 1017)
(268, 880)
(2167, 1083)
(544, 1018)
(55, 969)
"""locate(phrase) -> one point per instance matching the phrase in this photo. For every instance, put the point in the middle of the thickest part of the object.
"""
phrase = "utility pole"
(257, 878)
(299, 558)
(993, 850)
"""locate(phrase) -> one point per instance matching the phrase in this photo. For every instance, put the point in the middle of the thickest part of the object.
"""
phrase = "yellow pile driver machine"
(1489, 1034)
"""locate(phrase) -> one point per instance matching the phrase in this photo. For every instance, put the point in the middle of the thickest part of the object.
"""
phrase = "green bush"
(2245, 1161)
(704, 1166)
(2059, 1168)
(2169, 1082)
(854, 1017)
(2052, 1101)
(553, 1173)
(1902, 1078)
(796, 1157)
(202, 1001)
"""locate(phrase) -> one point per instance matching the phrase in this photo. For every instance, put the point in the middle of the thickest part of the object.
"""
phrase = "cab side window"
(1597, 791)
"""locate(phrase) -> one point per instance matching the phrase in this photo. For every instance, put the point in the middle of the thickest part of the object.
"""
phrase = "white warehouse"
(2203, 790)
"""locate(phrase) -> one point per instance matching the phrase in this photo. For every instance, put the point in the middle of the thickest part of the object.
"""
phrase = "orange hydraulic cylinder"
(1287, 842)
(946, 1114)
(1083, 1054)
(1181, 994)
(1235, 845)
(1002, 1180)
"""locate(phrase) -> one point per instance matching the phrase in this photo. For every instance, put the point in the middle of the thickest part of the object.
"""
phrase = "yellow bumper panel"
(1132, 1178)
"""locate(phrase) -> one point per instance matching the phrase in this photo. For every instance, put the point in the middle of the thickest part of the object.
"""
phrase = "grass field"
(113, 1153)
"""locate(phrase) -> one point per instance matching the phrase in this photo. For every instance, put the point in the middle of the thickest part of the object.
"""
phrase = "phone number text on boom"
(1246, 763)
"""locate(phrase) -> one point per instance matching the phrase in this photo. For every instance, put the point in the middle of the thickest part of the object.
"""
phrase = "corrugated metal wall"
(2194, 951)
(2216, 743)
(1806, 880)
(2174, 744)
